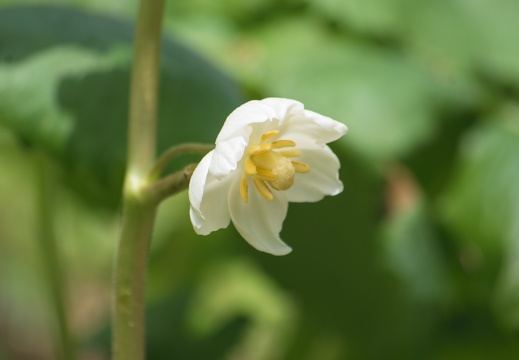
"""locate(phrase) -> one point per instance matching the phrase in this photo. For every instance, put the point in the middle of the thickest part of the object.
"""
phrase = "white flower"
(268, 153)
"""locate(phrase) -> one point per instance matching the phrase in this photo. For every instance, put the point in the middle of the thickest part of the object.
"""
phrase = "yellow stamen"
(250, 168)
(266, 173)
(270, 166)
(259, 149)
(269, 135)
(290, 153)
(244, 189)
(264, 178)
(301, 167)
(282, 144)
(263, 189)
(267, 160)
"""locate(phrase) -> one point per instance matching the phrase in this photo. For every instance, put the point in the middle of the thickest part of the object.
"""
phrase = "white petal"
(226, 156)
(208, 198)
(311, 130)
(247, 123)
(259, 221)
(283, 107)
(238, 122)
(321, 180)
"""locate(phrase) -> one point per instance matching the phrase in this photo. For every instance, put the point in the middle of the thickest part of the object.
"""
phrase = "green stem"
(130, 280)
(186, 148)
(51, 259)
(169, 185)
(144, 88)
(138, 209)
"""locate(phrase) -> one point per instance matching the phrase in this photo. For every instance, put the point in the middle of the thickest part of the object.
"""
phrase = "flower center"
(270, 163)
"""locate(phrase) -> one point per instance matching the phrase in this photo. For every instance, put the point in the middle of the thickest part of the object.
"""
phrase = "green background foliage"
(416, 259)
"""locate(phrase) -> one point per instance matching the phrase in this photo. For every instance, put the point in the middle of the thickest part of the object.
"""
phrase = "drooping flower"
(269, 153)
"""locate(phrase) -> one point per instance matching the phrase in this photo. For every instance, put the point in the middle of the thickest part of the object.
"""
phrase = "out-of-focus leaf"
(178, 254)
(507, 295)
(434, 162)
(236, 9)
(79, 110)
(466, 36)
(21, 285)
(334, 278)
(214, 37)
(479, 346)
(413, 252)
(380, 16)
(385, 98)
(171, 336)
(237, 288)
(29, 87)
(482, 203)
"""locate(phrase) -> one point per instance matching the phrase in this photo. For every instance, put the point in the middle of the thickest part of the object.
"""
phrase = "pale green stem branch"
(169, 185)
(186, 148)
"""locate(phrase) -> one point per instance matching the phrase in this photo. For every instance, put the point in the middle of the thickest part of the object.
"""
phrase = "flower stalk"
(130, 280)
(187, 148)
(144, 89)
(128, 323)
(169, 185)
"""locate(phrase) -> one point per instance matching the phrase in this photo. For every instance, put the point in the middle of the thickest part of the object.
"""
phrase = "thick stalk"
(138, 210)
(130, 280)
(144, 89)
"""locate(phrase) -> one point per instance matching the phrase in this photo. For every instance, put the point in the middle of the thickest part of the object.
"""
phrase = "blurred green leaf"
(171, 336)
(385, 98)
(413, 251)
(480, 345)
(237, 9)
(482, 203)
(236, 287)
(28, 91)
(434, 162)
(481, 207)
(333, 273)
(462, 39)
(73, 100)
(506, 302)
(380, 16)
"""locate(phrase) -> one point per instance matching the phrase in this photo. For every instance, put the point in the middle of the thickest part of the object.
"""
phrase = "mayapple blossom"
(268, 153)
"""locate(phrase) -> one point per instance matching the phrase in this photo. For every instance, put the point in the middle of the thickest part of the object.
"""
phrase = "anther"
(244, 189)
(250, 168)
(263, 189)
(269, 135)
(290, 153)
(259, 149)
(282, 144)
(300, 167)
(266, 173)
